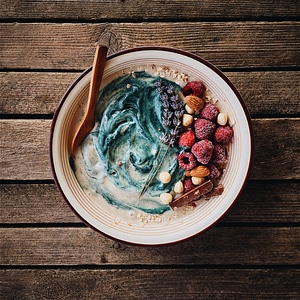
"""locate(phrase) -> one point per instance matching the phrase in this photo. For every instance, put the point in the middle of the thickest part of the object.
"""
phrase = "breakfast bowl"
(135, 178)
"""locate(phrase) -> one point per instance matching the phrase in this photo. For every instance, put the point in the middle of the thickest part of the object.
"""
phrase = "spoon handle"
(96, 77)
(88, 120)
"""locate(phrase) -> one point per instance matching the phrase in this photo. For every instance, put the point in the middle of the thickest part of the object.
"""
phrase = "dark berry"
(219, 154)
(203, 151)
(187, 160)
(204, 128)
(214, 171)
(195, 88)
(223, 134)
(188, 185)
(209, 112)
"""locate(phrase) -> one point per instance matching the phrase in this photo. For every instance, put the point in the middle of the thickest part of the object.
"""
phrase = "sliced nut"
(189, 110)
(164, 177)
(194, 102)
(222, 119)
(187, 120)
(166, 198)
(197, 180)
(200, 171)
(178, 188)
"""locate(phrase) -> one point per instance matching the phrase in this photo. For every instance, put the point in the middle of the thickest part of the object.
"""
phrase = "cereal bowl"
(95, 181)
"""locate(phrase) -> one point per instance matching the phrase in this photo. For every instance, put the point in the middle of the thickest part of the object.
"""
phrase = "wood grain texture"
(33, 92)
(227, 45)
(47, 253)
(147, 284)
(39, 93)
(263, 202)
(144, 10)
(217, 246)
(24, 148)
(281, 152)
(267, 202)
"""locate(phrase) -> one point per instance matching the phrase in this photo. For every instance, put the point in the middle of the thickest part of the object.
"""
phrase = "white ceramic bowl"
(207, 213)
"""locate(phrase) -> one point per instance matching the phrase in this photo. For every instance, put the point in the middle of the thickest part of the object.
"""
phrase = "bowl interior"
(174, 65)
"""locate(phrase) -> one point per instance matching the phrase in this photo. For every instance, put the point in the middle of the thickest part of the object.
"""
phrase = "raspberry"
(195, 88)
(219, 154)
(209, 112)
(187, 139)
(214, 172)
(203, 151)
(223, 134)
(188, 185)
(204, 128)
(187, 160)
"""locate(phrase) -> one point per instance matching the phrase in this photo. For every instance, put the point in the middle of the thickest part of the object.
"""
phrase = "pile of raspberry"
(204, 142)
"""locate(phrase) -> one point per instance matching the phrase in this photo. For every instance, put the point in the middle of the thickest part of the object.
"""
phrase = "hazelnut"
(178, 188)
(222, 119)
(197, 180)
(189, 109)
(164, 177)
(187, 120)
(166, 198)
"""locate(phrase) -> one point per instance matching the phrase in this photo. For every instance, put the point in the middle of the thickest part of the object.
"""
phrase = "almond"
(200, 171)
(194, 102)
(188, 173)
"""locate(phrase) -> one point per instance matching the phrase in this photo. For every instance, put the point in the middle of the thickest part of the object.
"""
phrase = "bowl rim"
(167, 49)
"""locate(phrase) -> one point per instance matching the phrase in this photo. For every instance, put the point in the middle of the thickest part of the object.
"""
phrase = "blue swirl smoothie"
(124, 148)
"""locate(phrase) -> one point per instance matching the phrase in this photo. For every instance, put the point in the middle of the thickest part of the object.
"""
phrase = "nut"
(194, 102)
(222, 119)
(178, 188)
(187, 173)
(166, 198)
(200, 171)
(187, 120)
(188, 109)
(164, 177)
(197, 180)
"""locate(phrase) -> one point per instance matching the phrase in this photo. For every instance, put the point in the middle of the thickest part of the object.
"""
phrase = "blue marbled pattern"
(126, 140)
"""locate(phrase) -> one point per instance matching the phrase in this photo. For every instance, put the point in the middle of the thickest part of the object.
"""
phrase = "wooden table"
(48, 253)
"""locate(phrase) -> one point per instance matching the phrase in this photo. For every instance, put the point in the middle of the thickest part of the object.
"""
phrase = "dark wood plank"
(33, 92)
(281, 152)
(150, 284)
(266, 202)
(33, 203)
(144, 10)
(227, 45)
(217, 246)
(263, 92)
(24, 149)
(266, 92)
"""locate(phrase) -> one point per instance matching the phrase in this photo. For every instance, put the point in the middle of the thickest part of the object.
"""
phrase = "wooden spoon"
(88, 121)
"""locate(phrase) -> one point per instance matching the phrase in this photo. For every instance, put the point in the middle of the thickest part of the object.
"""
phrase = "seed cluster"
(172, 113)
